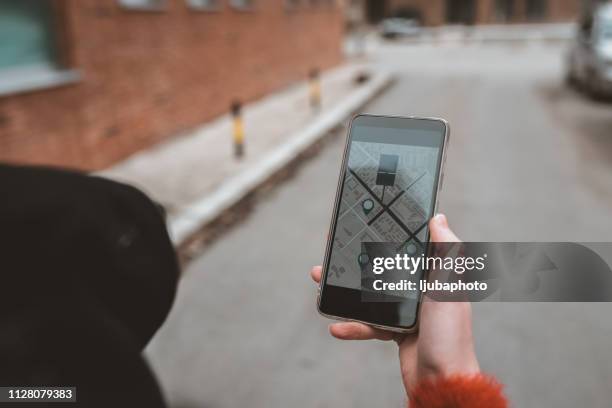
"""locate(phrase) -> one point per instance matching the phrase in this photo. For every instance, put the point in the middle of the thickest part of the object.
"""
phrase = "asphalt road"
(528, 160)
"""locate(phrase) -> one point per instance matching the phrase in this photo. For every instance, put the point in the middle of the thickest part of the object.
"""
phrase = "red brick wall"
(564, 10)
(150, 75)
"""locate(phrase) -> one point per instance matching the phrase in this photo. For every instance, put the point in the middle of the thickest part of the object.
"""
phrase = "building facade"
(84, 83)
(437, 12)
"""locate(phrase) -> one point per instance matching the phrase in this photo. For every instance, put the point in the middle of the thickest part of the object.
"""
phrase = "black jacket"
(87, 276)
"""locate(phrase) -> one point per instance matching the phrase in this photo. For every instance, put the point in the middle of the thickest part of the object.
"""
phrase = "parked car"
(399, 27)
(589, 64)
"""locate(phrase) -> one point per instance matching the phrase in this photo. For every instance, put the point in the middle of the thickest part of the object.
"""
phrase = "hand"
(443, 345)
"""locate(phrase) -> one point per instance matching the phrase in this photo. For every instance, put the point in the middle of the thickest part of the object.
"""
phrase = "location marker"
(363, 259)
(411, 249)
(367, 205)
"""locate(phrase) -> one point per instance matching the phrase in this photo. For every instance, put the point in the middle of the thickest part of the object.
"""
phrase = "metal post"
(238, 129)
(315, 89)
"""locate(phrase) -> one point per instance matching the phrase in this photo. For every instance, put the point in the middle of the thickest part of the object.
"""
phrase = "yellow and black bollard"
(238, 131)
(315, 89)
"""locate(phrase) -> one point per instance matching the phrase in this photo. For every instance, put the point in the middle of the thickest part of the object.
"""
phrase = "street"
(528, 160)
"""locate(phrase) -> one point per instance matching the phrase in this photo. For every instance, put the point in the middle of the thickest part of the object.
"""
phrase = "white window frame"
(35, 78)
(240, 6)
(197, 6)
(144, 5)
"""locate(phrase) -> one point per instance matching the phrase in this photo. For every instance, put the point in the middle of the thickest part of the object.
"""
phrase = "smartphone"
(391, 174)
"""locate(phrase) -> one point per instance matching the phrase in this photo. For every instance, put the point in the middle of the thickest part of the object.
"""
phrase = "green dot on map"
(363, 259)
(367, 205)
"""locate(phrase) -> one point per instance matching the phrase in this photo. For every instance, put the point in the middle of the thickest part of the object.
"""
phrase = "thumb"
(440, 231)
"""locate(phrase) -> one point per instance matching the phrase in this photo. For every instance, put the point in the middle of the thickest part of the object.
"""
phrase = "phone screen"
(387, 193)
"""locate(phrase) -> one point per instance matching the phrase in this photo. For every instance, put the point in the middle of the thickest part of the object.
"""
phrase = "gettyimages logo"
(412, 264)
(485, 271)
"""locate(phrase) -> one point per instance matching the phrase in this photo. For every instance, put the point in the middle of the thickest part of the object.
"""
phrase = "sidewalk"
(195, 175)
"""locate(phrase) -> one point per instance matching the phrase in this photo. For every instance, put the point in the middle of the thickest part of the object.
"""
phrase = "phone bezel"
(343, 168)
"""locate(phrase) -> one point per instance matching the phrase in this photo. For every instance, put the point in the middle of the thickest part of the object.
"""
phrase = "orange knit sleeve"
(458, 392)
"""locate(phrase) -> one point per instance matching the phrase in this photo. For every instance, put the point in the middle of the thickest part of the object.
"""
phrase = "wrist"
(467, 365)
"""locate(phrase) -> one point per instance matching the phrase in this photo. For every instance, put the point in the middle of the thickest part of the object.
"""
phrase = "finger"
(440, 231)
(315, 274)
(358, 331)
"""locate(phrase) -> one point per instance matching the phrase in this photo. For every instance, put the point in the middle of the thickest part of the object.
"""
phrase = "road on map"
(528, 160)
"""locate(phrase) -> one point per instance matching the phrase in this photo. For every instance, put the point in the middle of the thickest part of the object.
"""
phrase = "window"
(26, 35)
(29, 57)
(153, 5)
(242, 4)
(204, 4)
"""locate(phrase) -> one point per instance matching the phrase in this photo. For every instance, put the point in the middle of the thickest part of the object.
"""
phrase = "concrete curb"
(209, 207)
(493, 33)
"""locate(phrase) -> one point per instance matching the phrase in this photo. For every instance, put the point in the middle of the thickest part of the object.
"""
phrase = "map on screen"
(386, 197)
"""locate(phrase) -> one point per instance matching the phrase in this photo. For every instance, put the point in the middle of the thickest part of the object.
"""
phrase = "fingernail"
(441, 220)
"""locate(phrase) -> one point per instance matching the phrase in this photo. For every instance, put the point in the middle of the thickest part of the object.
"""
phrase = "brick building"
(84, 83)
(437, 12)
